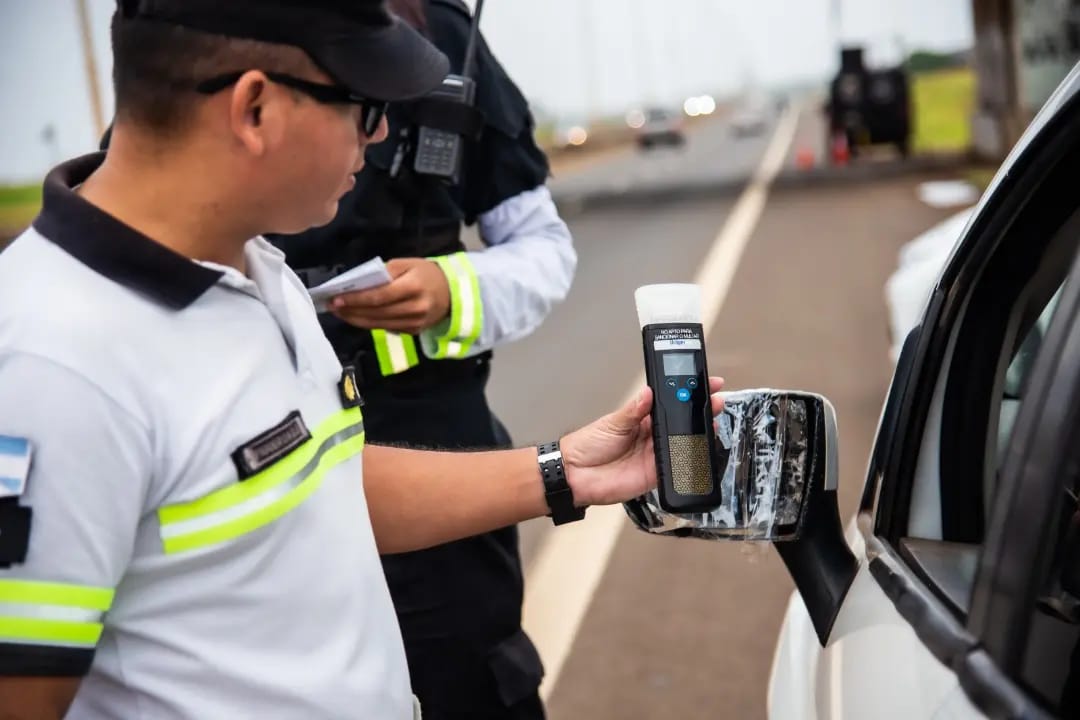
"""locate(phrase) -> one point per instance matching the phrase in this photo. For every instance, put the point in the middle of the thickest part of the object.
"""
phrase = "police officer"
(422, 347)
(187, 528)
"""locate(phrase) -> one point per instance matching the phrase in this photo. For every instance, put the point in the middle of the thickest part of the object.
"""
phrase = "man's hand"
(416, 299)
(611, 460)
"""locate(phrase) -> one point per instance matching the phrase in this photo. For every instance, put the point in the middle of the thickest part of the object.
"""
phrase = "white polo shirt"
(200, 545)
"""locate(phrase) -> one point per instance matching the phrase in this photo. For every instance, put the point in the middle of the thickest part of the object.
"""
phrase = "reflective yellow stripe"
(269, 478)
(49, 632)
(455, 337)
(222, 515)
(475, 314)
(455, 304)
(396, 352)
(43, 593)
(46, 613)
(268, 514)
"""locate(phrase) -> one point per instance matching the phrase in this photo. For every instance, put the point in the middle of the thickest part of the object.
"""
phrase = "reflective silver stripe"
(205, 522)
(50, 612)
(395, 347)
(53, 643)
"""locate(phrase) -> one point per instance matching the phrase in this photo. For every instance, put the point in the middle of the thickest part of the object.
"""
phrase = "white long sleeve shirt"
(526, 268)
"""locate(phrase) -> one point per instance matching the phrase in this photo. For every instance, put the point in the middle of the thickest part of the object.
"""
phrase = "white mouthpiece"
(670, 303)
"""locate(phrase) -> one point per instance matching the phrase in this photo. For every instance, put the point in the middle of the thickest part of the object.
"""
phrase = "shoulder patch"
(15, 453)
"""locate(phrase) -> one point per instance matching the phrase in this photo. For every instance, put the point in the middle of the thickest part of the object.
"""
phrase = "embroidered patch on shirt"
(15, 455)
(270, 446)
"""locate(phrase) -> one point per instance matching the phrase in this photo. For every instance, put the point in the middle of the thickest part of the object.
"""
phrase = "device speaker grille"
(690, 473)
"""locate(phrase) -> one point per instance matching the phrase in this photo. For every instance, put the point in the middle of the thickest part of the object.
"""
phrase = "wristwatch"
(557, 492)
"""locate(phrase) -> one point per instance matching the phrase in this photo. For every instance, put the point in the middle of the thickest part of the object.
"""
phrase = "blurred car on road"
(751, 117)
(655, 127)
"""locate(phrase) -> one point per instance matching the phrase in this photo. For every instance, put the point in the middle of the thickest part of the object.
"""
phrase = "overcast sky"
(571, 57)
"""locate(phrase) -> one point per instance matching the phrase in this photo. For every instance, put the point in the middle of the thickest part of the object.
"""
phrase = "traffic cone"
(841, 153)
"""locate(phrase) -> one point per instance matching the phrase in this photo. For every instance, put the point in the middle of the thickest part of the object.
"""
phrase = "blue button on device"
(683, 395)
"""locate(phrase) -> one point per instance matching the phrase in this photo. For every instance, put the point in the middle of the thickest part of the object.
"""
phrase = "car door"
(919, 632)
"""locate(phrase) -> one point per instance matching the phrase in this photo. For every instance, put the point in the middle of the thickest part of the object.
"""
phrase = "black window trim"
(887, 495)
(1046, 445)
(944, 636)
(891, 471)
(984, 672)
(1013, 282)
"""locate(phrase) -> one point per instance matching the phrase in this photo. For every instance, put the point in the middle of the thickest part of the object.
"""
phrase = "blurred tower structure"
(997, 119)
(1023, 49)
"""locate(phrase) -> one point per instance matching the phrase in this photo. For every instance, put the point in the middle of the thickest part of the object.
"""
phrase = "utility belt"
(425, 374)
(396, 360)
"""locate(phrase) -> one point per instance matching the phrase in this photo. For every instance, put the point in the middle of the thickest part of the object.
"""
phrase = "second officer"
(421, 346)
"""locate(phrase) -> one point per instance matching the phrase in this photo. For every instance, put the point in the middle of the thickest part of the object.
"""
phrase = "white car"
(919, 266)
(954, 594)
(656, 126)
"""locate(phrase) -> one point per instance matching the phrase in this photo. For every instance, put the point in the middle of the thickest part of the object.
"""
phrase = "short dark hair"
(157, 65)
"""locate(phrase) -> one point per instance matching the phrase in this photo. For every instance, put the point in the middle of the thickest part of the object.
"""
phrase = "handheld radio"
(684, 440)
(447, 116)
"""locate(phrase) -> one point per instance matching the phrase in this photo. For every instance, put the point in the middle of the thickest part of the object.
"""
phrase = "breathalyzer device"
(683, 436)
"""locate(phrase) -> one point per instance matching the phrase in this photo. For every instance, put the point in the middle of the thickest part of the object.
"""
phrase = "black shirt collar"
(111, 248)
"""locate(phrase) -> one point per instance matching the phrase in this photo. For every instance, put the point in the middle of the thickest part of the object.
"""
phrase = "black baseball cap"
(359, 43)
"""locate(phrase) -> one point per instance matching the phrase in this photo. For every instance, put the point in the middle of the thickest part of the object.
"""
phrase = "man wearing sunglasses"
(189, 520)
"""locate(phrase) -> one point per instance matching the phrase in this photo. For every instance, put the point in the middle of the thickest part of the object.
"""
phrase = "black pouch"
(517, 668)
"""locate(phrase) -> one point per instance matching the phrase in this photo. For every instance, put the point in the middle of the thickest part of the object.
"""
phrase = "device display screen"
(679, 364)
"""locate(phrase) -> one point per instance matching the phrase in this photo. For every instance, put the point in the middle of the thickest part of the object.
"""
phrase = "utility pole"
(638, 41)
(837, 28)
(589, 60)
(999, 118)
(90, 62)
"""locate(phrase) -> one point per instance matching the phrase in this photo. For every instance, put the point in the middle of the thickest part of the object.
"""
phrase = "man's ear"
(252, 111)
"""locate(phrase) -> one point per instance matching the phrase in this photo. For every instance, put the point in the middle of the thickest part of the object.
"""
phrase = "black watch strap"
(557, 492)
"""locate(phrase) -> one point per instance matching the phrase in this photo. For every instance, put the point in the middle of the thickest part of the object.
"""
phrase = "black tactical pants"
(459, 604)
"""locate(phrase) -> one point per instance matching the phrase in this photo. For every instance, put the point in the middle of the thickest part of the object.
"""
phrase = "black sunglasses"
(371, 111)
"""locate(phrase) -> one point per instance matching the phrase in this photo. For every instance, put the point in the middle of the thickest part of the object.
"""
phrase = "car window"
(1016, 377)
(979, 391)
(948, 564)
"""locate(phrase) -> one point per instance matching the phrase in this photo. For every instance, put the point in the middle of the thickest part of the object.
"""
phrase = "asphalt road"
(686, 628)
(712, 155)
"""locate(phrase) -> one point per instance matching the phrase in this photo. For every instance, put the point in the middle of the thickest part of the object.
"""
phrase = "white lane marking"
(567, 569)
(836, 682)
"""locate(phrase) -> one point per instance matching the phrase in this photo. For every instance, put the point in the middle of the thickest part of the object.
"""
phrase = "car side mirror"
(777, 458)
